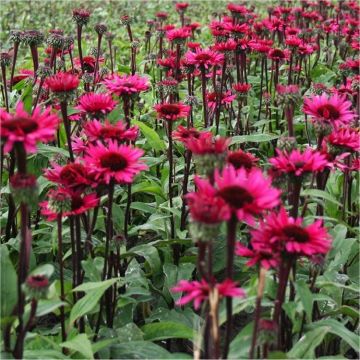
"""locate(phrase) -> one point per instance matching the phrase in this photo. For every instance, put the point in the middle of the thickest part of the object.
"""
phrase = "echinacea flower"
(67, 202)
(346, 139)
(172, 111)
(183, 134)
(247, 193)
(204, 58)
(199, 291)
(178, 35)
(241, 88)
(27, 129)
(96, 105)
(241, 159)
(278, 54)
(204, 204)
(114, 162)
(95, 130)
(72, 175)
(267, 256)
(62, 82)
(126, 85)
(331, 110)
(298, 163)
(206, 143)
(292, 235)
(224, 99)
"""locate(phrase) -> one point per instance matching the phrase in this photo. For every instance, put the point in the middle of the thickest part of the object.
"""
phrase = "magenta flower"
(204, 204)
(333, 110)
(172, 112)
(291, 235)
(95, 130)
(126, 84)
(204, 58)
(27, 129)
(67, 202)
(62, 82)
(247, 193)
(207, 143)
(96, 104)
(198, 291)
(114, 162)
(298, 163)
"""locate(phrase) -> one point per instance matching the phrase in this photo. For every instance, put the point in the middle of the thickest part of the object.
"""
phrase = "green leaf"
(305, 295)
(256, 138)
(151, 136)
(138, 350)
(8, 283)
(151, 255)
(167, 330)
(338, 329)
(240, 346)
(90, 286)
(175, 273)
(48, 306)
(345, 310)
(50, 151)
(305, 347)
(42, 354)
(90, 300)
(321, 194)
(80, 343)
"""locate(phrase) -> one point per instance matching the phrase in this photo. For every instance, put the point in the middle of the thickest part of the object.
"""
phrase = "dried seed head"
(15, 36)
(5, 58)
(43, 71)
(81, 16)
(32, 37)
(101, 29)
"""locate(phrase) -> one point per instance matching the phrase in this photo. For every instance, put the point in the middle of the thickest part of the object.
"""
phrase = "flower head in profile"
(67, 202)
(96, 105)
(114, 162)
(278, 54)
(224, 99)
(330, 110)
(247, 193)
(184, 134)
(291, 235)
(72, 175)
(206, 143)
(344, 139)
(172, 111)
(96, 130)
(126, 85)
(204, 204)
(178, 35)
(266, 255)
(27, 129)
(62, 82)
(241, 159)
(204, 58)
(298, 163)
(199, 291)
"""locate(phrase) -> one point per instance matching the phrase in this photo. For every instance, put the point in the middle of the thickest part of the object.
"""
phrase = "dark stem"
(79, 256)
(63, 106)
(35, 57)
(61, 270)
(97, 59)
(3, 74)
(203, 87)
(79, 33)
(16, 49)
(231, 236)
(42, 80)
(261, 86)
